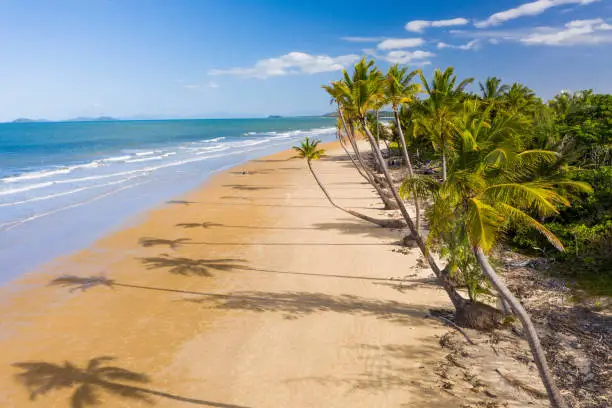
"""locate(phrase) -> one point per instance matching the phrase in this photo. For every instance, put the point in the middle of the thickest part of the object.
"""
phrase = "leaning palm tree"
(309, 150)
(360, 93)
(335, 91)
(494, 184)
(41, 377)
(440, 109)
(399, 90)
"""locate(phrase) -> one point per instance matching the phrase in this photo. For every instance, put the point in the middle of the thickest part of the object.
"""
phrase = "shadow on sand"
(173, 244)
(298, 304)
(40, 378)
(292, 304)
(182, 202)
(192, 267)
(341, 226)
(244, 187)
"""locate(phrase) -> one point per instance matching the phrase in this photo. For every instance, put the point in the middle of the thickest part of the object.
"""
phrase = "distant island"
(79, 119)
(274, 117)
(86, 119)
(28, 120)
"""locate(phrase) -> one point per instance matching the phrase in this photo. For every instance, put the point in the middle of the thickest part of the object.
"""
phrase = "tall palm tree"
(360, 93)
(335, 91)
(439, 110)
(494, 184)
(492, 88)
(309, 150)
(399, 90)
(41, 377)
(350, 156)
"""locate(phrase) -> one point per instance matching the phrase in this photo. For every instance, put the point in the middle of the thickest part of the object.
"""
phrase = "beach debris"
(452, 324)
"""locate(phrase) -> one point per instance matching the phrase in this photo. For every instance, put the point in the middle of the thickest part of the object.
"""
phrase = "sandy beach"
(251, 291)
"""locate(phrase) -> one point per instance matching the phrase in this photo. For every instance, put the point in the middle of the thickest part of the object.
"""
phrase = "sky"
(137, 59)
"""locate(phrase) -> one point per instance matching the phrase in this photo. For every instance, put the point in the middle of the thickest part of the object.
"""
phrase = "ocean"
(64, 185)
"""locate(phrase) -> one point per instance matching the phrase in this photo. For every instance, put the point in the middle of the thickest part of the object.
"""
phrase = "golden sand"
(251, 291)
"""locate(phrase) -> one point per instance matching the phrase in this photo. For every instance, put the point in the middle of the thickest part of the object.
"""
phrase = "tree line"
(504, 168)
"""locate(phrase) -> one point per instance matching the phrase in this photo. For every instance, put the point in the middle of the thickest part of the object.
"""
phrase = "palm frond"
(516, 216)
(482, 224)
(423, 187)
(540, 197)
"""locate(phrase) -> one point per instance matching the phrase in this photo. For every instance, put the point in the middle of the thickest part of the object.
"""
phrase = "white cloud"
(472, 45)
(575, 32)
(528, 9)
(292, 63)
(198, 87)
(417, 57)
(501, 35)
(418, 26)
(362, 39)
(397, 43)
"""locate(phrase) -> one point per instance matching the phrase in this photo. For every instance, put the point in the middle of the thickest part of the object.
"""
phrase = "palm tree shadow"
(183, 202)
(299, 304)
(242, 187)
(204, 225)
(82, 283)
(148, 242)
(41, 377)
(192, 267)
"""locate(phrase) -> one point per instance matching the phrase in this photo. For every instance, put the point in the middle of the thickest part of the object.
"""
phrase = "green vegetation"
(497, 168)
(579, 127)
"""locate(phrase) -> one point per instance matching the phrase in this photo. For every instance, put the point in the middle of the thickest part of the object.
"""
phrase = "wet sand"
(251, 291)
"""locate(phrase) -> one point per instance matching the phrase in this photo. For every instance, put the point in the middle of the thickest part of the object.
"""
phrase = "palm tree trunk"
(389, 205)
(556, 400)
(442, 275)
(381, 223)
(417, 207)
(443, 164)
(343, 144)
(403, 142)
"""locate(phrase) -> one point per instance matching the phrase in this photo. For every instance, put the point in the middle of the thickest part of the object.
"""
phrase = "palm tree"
(400, 91)
(492, 88)
(361, 93)
(335, 91)
(493, 184)
(350, 156)
(439, 110)
(520, 98)
(309, 150)
(42, 377)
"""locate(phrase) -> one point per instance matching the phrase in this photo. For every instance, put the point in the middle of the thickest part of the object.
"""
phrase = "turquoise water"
(63, 185)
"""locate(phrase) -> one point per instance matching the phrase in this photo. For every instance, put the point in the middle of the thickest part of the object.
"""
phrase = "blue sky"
(180, 58)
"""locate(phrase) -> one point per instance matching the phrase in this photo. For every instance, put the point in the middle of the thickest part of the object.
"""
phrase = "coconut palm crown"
(309, 149)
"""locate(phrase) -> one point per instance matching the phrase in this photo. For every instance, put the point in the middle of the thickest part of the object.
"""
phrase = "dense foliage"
(501, 166)
(581, 130)
(572, 135)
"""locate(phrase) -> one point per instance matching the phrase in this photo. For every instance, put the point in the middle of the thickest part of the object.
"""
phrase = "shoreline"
(116, 195)
(141, 217)
(250, 291)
